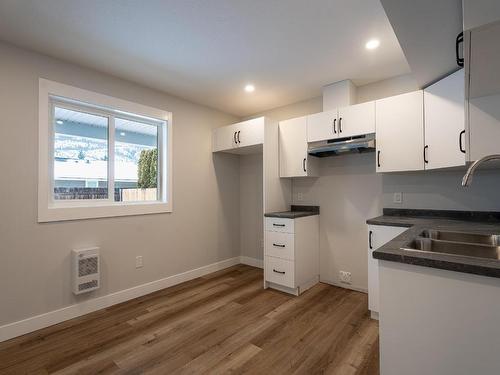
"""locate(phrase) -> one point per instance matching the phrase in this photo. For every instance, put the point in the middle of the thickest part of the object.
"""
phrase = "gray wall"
(251, 206)
(35, 268)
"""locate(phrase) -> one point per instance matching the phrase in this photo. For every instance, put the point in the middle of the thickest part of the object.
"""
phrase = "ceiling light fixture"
(59, 122)
(372, 44)
(249, 88)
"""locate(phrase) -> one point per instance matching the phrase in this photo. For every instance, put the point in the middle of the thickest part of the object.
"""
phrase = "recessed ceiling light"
(249, 88)
(122, 134)
(372, 44)
(59, 122)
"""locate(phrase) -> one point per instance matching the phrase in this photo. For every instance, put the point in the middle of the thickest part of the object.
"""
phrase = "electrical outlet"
(138, 261)
(398, 198)
(345, 277)
(300, 197)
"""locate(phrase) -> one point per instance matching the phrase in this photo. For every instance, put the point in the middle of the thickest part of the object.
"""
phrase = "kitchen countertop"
(295, 212)
(419, 220)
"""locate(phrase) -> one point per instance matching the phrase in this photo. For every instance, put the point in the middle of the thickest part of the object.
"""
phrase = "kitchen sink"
(472, 238)
(433, 242)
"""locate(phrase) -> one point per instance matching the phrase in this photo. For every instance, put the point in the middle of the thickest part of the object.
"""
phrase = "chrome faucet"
(467, 180)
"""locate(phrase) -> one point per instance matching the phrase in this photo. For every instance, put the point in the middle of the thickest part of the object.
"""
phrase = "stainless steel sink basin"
(454, 248)
(463, 237)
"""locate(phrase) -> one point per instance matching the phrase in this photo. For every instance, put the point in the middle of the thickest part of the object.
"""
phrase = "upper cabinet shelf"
(241, 138)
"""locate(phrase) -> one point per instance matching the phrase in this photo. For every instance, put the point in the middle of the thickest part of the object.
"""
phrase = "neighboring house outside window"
(101, 156)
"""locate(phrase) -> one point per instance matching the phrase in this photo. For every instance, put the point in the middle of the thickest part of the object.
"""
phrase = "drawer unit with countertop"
(291, 249)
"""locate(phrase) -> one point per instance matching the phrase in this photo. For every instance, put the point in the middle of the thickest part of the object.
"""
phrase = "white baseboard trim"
(28, 325)
(345, 286)
(254, 262)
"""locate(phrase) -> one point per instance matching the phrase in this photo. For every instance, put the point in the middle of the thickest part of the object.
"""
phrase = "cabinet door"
(293, 147)
(484, 92)
(399, 124)
(224, 138)
(480, 12)
(445, 122)
(250, 133)
(378, 235)
(357, 119)
(322, 126)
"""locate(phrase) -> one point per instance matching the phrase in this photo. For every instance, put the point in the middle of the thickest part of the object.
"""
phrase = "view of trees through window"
(81, 157)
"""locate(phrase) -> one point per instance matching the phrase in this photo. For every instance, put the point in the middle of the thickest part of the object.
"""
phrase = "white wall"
(34, 267)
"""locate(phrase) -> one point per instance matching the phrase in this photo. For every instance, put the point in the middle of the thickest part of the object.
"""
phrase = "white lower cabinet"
(291, 253)
(378, 235)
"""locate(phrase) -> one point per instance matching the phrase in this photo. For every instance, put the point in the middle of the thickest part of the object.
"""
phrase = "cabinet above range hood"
(339, 146)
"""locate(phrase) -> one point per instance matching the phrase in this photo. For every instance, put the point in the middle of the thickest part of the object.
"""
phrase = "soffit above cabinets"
(426, 31)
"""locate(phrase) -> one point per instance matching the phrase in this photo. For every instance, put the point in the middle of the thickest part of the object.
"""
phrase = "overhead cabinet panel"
(238, 138)
(322, 126)
(356, 120)
(294, 160)
(400, 132)
(445, 138)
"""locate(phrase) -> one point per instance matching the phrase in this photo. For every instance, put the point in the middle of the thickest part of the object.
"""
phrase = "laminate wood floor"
(221, 323)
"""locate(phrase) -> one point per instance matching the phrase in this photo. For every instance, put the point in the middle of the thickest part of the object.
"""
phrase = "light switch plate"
(300, 197)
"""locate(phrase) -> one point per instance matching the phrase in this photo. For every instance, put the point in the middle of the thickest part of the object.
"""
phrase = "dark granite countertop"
(295, 212)
(419, 220)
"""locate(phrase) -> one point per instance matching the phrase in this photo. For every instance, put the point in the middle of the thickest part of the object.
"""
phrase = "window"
(101, 156)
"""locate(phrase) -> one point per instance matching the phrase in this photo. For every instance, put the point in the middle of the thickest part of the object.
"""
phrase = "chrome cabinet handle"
(234, 138)
(239, 131)
(370, 244)
(278, 225)
(280, 272)
(378, 158)
(340, 125)
(335, 126)
(426, 147)
(304, 165)
(278, 245)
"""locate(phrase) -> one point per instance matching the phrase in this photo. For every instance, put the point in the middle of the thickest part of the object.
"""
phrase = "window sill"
(63, 212)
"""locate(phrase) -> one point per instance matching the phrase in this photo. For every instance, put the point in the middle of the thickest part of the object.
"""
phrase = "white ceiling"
(207, 50)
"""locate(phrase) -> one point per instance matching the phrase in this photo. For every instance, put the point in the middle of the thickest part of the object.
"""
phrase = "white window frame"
(53, 210)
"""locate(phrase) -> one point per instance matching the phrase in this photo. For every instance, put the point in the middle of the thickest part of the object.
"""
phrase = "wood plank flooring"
(221, 323)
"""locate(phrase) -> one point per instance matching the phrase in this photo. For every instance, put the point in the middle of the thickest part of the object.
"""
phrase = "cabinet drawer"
(280, 245)
(280, 271)
(276, 224)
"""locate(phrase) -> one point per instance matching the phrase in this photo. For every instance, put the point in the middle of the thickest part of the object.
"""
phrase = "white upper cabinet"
(250, 132)
(400, 132)
(240, 137)
(294, 160)
(445, 141)
(480, 12)
(483, 90)
(322, 126)
(356, 119)
(345, 122)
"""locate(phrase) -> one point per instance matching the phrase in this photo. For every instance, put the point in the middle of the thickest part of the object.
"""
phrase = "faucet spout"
(467, 179)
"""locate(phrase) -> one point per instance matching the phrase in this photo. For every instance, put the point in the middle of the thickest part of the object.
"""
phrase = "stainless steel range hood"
(331, 147)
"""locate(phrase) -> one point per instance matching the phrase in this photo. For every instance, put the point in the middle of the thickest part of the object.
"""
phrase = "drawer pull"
(278, 225)
(278, 245)
(280, 272)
